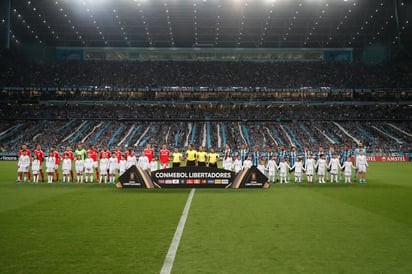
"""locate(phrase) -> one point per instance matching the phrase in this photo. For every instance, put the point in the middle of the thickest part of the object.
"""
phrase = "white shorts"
(50, 170)
(35, 172)
(95, 165)
(80, 171)
(103, 171)
(321, 171)
(298, 174)
(334, 171)
(348, 174)
(112, 171)
(89, 170)
(362, 169)
(271, 172)
(309, 172)
(66, 171)
(122, 171)
(23, 169)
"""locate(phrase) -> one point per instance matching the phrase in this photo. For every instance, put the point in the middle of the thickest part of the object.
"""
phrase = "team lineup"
(278, 165)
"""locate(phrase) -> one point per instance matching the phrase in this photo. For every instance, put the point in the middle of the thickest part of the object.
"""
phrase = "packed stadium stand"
(125, 74)
(380, 128)
(276, 80)
(205, 103)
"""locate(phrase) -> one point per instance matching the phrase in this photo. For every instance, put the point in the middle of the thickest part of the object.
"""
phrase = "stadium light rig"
(72, 26)
(266, 25)
(218, 16)
(122, 27)
(340, 24)
(94, 2)
(169, 24)
(28, 26)
(292, 22)
(145, 22)
(242, 23)
(14, 38)
(195, 24)
(368, 23)
(92, 18)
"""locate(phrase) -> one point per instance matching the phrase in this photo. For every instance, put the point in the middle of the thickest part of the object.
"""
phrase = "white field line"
(171, 254)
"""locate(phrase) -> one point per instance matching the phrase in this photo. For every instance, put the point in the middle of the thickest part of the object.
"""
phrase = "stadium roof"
(211, 23)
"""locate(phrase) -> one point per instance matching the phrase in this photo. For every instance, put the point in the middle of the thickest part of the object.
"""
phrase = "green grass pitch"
(284, 229)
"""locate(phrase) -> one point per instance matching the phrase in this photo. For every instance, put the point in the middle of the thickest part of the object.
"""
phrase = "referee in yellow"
(201, 157)
(176, 158)
(191, 156)
(213, 157)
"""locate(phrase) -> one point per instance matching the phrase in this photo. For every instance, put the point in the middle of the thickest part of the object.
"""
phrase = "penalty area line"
(171, 253)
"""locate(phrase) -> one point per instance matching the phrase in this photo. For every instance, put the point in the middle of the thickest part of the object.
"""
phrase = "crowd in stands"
(382, 128)
(194, 112)
(378, 136)
(17, 71)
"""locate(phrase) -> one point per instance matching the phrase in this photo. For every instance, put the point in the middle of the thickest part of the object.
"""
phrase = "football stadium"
(205, 136)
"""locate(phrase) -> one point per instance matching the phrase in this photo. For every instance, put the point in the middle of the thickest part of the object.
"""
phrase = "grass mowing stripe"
(171, 254)
(289, 229)
(95, 230)
(285, 229)
(14, 196)
(388, 192)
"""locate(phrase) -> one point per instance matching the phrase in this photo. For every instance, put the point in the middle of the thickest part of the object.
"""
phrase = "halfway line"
(171, 254)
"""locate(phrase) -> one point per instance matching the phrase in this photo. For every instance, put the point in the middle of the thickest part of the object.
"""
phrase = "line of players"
(84, 163)
(319, 166)
(278, 167)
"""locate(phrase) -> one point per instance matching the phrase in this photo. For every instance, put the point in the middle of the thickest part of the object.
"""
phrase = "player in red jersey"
(93, 154)
(149, 152)
(57, 161)
(105, 150)
(118, 153)
(40, 156)
(28, 153)
(164, 157)
(70, 153)
(129, 152)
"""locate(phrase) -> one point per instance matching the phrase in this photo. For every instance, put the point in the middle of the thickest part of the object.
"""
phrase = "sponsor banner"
(189, 177)
(387, 159)
(8, 158)
(9, 154)
(198, 177)
(250, 178)
(135, 178)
